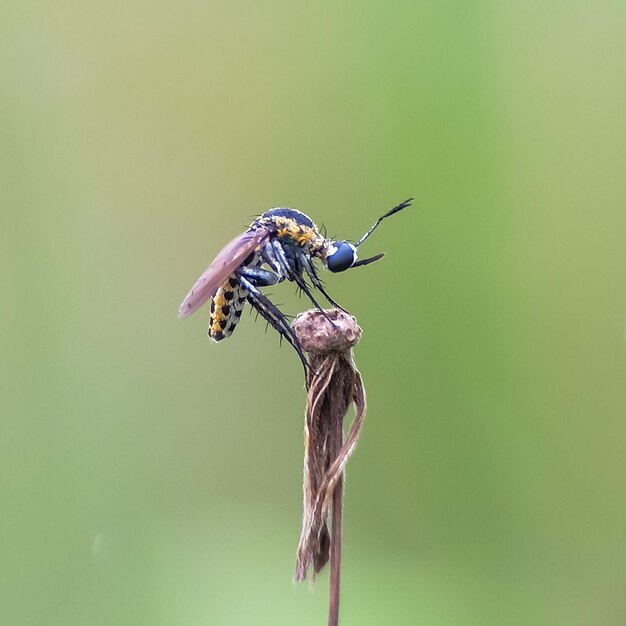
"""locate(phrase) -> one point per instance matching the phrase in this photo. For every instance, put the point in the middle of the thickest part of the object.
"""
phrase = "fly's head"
(340, 255)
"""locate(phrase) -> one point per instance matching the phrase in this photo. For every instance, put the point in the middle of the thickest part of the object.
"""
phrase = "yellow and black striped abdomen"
(226, 307)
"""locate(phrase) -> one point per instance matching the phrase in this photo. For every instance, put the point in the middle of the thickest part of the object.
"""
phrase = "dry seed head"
(318, 336)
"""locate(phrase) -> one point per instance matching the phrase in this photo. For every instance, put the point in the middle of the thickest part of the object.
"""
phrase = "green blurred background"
(150, 477)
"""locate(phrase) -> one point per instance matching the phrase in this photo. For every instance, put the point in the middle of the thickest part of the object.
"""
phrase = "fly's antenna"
(395, 209)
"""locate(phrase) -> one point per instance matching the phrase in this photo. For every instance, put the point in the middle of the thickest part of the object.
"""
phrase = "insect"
(286, 241)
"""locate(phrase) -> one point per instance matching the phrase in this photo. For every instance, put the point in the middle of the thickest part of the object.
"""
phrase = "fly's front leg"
(293, 269)
(309, 267)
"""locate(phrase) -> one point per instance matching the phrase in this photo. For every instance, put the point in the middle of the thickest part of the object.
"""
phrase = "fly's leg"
(259, 277)
(281, 259)
(269, 256)
(270, 313)
(295, 274)
(309, 267)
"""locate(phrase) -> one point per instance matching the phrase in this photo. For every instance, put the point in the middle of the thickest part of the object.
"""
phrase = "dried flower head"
(334, 384)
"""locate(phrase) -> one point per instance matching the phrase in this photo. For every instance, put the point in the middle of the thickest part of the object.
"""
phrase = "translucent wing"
(225, 263)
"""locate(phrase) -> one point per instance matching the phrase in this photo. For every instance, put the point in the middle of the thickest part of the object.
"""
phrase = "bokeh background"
(151, 477)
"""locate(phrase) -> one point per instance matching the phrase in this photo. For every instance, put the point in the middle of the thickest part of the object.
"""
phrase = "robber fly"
(287, 241)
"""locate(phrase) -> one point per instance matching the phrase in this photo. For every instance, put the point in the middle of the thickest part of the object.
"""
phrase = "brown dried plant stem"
(334, 384)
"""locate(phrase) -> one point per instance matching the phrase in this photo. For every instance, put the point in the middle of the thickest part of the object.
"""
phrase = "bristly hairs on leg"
(334, 383)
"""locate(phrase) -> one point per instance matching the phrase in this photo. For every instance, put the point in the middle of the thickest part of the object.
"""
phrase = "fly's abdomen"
(226, 307)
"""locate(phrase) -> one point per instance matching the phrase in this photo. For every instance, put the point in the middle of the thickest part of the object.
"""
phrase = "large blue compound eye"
(342, 256)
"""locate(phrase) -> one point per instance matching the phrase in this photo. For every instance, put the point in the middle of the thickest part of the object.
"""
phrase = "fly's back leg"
(273, 316)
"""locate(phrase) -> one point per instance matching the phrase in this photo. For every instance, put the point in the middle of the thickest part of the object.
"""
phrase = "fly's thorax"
(312, 242)
(293, 227)
(278, 213)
